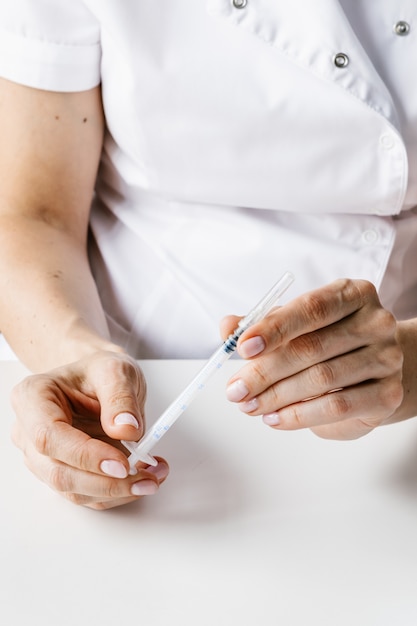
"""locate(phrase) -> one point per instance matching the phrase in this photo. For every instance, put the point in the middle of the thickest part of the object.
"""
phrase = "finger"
(80, 486)
(376, 362)
(376, 399)
(98, 505)
(305, 314)
(121, 391)
(346, 335)
(376, 329)
(343, 431)
(228, 325)
(45, 413)
(160, 471)
(299, 354)
(48, 429)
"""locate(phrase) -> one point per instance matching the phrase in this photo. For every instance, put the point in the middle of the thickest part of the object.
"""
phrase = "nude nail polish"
(249, 406)
(251, 347)
(126, 419)
(113, 468)
(271, 419)
(236, 391)
(144, 488)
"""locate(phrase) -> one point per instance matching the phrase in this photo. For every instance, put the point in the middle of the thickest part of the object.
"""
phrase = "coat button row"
(341, 59)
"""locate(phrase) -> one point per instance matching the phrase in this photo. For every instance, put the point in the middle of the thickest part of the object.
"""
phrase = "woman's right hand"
(69, 423)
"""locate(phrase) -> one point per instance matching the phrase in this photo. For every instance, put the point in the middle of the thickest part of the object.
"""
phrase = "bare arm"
(49, 153)
(69, 419)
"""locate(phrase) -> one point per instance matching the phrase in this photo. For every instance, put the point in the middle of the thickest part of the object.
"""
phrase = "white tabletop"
(252, 528)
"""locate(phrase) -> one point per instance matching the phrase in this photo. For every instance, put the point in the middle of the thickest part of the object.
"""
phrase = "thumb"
(228, 325)
(121, 392)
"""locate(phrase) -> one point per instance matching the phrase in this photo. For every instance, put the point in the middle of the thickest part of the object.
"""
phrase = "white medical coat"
(242, 141)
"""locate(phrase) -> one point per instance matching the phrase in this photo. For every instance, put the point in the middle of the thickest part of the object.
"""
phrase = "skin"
(86, 393)
(333, 360)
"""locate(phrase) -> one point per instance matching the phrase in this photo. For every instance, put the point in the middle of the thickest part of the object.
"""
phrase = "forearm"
(50, 311)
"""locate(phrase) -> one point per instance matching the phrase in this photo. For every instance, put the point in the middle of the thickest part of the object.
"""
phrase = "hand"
(329, 360)
(69, 425)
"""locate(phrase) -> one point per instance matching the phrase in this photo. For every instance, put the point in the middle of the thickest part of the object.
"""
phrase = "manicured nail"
(114, 469)
(144, 488)
(271, 419)
(249, 406)
(161, 470)
(126, 419)
(236, 391)
(251, 347)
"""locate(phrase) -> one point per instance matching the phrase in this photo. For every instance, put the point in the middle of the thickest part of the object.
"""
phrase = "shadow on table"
(402, 472)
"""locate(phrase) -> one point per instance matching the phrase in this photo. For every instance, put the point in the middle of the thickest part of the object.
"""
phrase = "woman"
(162, 164)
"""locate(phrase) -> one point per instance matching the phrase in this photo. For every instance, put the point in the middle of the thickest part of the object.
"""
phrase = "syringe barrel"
(222, 354)
(174, 410)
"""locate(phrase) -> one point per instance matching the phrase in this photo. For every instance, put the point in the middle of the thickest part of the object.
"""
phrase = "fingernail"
(236, 391)
(144, 488)
(161, 470)
(249, 406)
(126, 419)
(271, 419)
(114, 469)
(251, 347)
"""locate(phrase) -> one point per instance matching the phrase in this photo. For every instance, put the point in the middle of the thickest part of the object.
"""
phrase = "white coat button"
(370, 236)
(387, 142)
(240, 4)
(401, 28)
(341, 60)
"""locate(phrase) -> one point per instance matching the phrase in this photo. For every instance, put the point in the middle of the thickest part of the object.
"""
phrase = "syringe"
(140, 450)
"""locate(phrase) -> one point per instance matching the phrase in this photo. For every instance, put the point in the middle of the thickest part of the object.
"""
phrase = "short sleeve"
(49, 44)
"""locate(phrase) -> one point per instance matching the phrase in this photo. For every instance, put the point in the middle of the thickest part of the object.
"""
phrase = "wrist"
(70, 345)
(407, 339)
(78, 348)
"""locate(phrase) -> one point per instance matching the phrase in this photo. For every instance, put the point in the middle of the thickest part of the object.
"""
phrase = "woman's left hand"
(329, 360)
